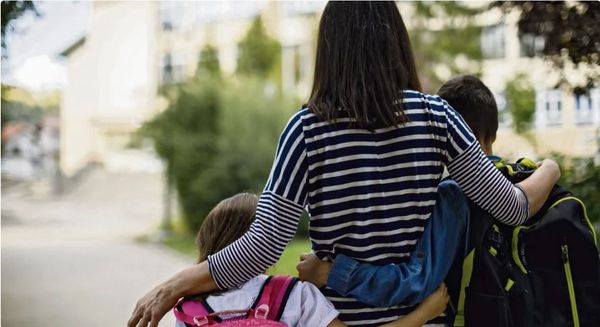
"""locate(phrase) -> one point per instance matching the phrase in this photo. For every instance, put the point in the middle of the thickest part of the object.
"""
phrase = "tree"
(184, 136)
(259, 54)
(570, 31)
(520, 102)
(581, 176)
(12, 10)
(218, 138)
(208, 63)
(445, 45)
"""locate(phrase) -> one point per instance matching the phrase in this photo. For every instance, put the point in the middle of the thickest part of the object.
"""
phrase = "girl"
(306, 306)
(365, 158)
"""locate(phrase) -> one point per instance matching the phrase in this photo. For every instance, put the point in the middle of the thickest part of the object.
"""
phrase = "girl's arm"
(432, 307)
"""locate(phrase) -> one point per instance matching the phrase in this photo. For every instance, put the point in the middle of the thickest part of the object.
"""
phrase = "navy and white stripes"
(368, 193)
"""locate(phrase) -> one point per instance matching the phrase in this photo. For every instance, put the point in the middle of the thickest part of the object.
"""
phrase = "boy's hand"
(314, 270)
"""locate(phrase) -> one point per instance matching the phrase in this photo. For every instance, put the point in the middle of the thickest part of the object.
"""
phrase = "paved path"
(72, 261)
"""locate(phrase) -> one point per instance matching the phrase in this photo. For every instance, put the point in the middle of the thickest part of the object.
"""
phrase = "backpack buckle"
(262, 311)
(201, 320)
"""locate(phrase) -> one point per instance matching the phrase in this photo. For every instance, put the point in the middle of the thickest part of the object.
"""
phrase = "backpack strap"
(273, 296)
(187, 311)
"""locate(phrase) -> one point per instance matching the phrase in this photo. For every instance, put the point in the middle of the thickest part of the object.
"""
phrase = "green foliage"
(184, 135)
(11, 11)
(19, 111)
(249, 128)
(440, 46)
(218, 138)
(259, 54)
(520, 102)
(208, 63)
(570, 30)
(24, 106)
(290, 258)
(582, 177)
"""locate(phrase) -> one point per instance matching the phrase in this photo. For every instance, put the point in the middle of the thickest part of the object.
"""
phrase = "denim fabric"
(411, 282)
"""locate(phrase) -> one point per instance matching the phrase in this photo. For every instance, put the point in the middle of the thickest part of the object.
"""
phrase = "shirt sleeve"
(375, 285)
(478, 178)
(279, 209)
(316, 310)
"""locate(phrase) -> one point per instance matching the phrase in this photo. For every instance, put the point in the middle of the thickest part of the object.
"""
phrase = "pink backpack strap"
(187, 310)
(274, 294)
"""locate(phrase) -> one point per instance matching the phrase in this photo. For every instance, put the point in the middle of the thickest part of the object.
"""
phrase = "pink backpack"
(266, 310)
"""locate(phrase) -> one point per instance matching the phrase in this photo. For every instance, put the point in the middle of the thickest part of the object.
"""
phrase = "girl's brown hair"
(225, 223)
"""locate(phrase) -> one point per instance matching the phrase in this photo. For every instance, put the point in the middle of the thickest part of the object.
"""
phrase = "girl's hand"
(314, 270)
(435, 304)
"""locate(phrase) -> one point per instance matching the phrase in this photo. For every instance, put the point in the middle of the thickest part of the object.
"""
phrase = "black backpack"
(543, 273)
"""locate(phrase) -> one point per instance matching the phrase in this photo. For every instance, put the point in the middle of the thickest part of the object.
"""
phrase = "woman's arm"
(484, 184)
(278, 211)
(537, 187)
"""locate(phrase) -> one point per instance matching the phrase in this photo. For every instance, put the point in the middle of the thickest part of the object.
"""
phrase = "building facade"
(564, 122)
(131, 49)
(112, 83)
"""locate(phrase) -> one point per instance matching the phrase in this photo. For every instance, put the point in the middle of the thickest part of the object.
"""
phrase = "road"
(74, 261)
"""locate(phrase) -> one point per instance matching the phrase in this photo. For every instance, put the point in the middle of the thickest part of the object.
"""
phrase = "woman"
(365, 158)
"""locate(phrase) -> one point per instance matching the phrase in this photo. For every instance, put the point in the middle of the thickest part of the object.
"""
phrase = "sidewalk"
(72, 261)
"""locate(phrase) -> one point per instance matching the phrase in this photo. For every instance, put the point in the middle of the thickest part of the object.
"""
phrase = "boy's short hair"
(475, 103)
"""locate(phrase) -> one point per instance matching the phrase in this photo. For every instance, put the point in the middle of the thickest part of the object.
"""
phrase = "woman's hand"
(150, 309)
(537, 187)
(314, 270)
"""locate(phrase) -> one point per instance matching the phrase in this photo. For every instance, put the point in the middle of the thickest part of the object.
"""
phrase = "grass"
(290, 257)
(285, 266)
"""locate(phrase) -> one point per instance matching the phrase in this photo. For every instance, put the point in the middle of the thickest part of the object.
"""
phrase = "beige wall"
(112, 82)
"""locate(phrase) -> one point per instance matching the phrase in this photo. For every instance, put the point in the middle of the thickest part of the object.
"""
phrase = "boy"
(476, 104)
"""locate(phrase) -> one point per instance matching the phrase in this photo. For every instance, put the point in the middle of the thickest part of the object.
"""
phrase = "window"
(587, 107)
(169, 13)
(548, 108)
(531, 45)
(172, 68)
(303, 7)
(492, 41)
(504, 117)
(215, 11)
(296, 65)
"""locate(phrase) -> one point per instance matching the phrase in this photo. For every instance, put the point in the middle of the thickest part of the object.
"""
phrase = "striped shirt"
(368, 193)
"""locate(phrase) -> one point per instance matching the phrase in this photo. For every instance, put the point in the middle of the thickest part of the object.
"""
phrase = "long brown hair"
(225, 223)
(364, 61)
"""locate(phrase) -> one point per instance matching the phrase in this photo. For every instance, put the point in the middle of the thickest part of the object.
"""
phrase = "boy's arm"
(371, 284)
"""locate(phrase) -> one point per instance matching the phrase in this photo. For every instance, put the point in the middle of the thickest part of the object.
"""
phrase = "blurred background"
(124, 122)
